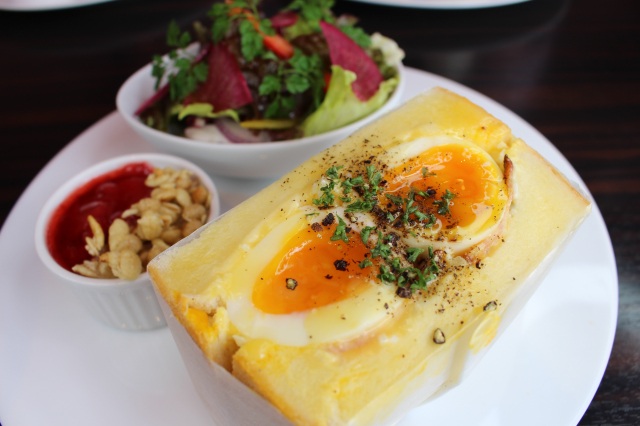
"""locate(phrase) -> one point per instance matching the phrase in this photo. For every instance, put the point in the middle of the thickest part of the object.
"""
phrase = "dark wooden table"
(570, 68)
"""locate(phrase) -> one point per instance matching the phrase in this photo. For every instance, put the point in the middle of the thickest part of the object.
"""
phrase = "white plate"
(443, 4)
(39, 5)
(58, 366)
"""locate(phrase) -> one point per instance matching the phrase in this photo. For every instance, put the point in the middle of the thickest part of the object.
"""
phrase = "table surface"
(569, 68)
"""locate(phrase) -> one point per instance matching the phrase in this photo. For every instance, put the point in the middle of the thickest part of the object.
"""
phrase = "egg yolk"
(311, 271)
(474, 181)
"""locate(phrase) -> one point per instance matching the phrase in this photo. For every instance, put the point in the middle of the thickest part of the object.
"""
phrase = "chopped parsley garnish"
(444, 202)
(409, 209)
(366, 232)
(429, 220)
(386, 275)
(413, 253)
(360, 206)
(394, 199)
(365, 263)
(382, 249)
(327, 199)
(341, 231)
(350, 183)
(409, 268)
(333, 172)
(410, 278)
(374, 176)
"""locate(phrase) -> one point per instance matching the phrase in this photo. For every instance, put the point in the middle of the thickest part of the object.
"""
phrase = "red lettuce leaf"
(225, 87)
(346, 53)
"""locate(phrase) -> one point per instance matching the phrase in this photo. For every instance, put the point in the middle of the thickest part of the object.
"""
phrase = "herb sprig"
(444, 203)
(300, 74)
(395, 265)
(187, 75)
(328, 198)
(313, 11)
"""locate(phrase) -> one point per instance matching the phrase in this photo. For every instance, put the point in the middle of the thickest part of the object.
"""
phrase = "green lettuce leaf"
(341, 106)
(204, 110)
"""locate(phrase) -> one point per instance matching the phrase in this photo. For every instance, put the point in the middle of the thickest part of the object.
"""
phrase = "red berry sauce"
(105, 198)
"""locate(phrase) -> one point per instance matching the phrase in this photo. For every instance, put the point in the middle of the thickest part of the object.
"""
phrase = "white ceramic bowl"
(122, 304)
(252, 161)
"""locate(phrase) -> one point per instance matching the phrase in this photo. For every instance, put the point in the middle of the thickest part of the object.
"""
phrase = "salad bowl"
(246, 160)
(305, 85)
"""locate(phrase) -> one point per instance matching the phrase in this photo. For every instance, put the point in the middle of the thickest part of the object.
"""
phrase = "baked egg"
(300, 284)
(340, 260)
(458, 186)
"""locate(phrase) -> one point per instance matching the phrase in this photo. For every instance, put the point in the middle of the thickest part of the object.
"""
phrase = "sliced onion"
(238, 134)
(206, 133)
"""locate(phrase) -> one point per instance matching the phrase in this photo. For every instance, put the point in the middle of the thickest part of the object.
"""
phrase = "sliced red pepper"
(278, 45)
(327, 80)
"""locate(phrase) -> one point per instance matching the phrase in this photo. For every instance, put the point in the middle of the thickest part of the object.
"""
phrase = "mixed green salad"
(246, 77)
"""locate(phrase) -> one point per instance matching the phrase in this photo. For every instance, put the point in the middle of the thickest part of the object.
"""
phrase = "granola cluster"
(179, 204)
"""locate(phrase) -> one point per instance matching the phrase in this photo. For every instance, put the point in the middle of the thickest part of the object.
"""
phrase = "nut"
(491, 306)
(438, 337)
(179, 204)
